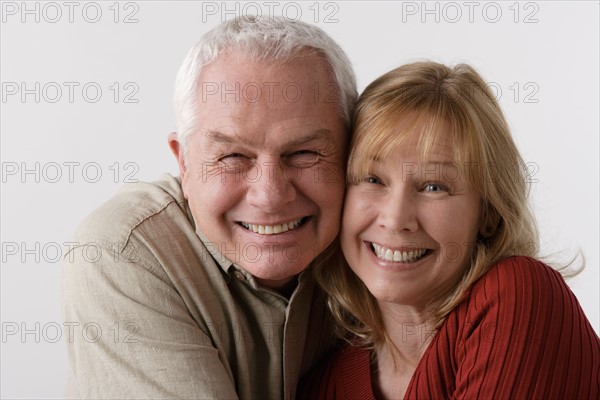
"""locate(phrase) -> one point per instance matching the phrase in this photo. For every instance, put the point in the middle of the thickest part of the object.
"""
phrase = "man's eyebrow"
(319, 134)
(220, 137)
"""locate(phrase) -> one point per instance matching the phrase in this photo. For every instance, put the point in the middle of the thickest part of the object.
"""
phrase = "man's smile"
(274, 229)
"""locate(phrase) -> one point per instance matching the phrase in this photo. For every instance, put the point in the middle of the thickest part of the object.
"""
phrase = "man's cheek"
(332, 174)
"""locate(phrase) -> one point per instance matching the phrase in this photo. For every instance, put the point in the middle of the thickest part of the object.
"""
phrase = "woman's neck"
(410, 332)
(409, 328)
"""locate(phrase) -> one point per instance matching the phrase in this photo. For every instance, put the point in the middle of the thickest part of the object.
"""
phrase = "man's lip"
(273, 223)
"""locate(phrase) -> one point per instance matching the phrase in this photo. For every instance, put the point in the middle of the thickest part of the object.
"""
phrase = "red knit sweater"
(520, 333)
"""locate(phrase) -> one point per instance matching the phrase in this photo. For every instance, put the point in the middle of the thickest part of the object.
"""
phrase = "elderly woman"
(442, 296)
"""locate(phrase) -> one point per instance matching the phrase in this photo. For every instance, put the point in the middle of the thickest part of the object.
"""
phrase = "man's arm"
(132, 335)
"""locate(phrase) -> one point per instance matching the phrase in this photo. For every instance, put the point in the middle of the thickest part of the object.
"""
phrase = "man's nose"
(398, 212)
(272, 189)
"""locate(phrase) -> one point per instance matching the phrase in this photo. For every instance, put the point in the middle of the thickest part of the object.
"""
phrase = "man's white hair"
(259, 38)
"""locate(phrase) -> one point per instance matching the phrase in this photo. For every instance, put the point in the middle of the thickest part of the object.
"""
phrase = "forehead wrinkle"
(215, 137)
(219, 137)
(318, 134)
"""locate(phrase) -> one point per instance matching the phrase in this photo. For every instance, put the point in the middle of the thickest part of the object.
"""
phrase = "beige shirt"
(155, 311)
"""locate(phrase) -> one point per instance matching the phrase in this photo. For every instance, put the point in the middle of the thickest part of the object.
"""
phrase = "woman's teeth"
(272, 229)
(396, 255)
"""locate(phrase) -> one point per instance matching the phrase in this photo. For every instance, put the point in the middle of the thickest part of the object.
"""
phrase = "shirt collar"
(214, 251)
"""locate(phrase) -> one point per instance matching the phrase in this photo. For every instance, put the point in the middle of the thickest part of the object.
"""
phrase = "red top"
(520, 333)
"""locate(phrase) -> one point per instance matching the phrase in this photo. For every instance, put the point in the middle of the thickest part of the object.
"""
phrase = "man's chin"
(275, 272)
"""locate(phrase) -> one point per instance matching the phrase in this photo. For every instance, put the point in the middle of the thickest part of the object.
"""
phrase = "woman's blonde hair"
(432, 99)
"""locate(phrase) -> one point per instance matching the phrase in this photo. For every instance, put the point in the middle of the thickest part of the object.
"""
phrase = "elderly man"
(198, 286)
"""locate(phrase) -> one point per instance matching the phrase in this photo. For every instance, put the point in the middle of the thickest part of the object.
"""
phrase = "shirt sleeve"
(526, 336)
(131, 335)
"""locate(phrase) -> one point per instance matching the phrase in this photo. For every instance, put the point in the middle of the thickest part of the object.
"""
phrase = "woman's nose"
(398, 212)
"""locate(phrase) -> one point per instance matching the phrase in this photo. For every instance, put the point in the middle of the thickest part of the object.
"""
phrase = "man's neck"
(284, 287)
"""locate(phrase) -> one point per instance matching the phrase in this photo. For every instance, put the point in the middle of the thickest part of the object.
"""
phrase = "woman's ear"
(490, 220)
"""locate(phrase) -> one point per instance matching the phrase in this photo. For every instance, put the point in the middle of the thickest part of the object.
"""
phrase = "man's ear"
(178, 152)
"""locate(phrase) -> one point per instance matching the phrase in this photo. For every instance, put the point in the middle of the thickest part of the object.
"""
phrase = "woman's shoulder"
(519, 321)
(520, 276)
(525, 291)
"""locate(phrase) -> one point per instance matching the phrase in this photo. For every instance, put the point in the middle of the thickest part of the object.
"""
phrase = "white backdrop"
(86, 107)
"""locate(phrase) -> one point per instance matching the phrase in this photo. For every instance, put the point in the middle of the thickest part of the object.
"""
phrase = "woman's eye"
(434, 187)
(373, 180)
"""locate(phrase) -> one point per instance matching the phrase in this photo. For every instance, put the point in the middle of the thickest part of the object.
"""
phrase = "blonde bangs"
(384, 124)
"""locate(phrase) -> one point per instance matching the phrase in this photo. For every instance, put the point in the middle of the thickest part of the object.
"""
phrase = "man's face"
(264, 172)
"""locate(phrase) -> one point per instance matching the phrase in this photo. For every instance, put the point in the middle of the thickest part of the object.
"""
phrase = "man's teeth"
(396, 255)
(272, 229)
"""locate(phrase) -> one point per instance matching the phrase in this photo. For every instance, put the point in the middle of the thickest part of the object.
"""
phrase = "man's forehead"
(234, 65)
(287, 138)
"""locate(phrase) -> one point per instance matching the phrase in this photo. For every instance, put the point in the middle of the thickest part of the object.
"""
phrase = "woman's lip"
(396, 265)
(412, 247)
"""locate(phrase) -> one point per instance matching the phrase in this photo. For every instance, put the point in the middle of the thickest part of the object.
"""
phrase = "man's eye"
(303, 158)
(234, 162)
(305, 153)
(231, 156)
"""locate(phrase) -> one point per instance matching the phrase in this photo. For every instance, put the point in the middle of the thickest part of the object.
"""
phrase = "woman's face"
(409, 227)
